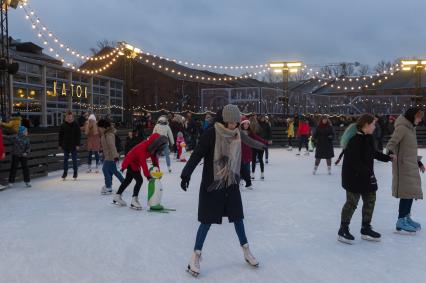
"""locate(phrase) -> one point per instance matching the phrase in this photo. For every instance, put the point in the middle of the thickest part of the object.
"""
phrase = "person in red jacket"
(133, 161)
(303, 132)
(2, 153)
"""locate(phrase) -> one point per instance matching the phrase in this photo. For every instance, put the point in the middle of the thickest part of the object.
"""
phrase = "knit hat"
(92, 117)
(231, 114)
(245, 120)
(162, 120)
(21, 129)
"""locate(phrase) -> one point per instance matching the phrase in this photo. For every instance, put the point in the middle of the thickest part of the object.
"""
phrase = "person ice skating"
(303, 133)
(132, 140)
(323, 138)
(265, 132)
(12, 127)
(290, 133)
(133, 161)
(247, 144)
(69, 142)
(257, 154)
(220, 147)
(164, 129)
(180, 139)
(2, 153)
(20, 150)
(93, 142)
(358, 179)
(109, 167)
(406, 181)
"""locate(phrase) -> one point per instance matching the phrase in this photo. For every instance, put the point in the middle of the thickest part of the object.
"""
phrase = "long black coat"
(69, 136)
(323, 138)
(358, 164)
(216, 204)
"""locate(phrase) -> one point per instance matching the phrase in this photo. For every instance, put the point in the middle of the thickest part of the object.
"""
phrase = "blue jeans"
(109, 169)
(204, 229)
(96, 157)
(166, 153)
(73, 154)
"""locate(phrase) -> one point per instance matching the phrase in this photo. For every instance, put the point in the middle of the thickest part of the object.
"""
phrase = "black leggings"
(303, 140)
(130, 175)
(405, 207)
(257, 155)
(318, 161)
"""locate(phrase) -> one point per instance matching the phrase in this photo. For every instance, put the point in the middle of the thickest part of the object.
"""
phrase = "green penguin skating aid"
(155, 192)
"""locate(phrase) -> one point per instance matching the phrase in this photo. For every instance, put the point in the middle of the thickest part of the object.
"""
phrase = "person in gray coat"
(406, 182)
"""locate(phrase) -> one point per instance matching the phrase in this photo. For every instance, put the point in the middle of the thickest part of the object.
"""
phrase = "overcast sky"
(240, 31)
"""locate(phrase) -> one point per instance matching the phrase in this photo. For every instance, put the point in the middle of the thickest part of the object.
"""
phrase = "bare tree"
(347, 69)
(101, 44)
(271, 77)
(363, 70)
(326, 71)
(301, 75)
(383, 66)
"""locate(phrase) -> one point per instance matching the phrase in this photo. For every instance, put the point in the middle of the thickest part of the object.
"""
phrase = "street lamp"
(417, 66)
(286, 68)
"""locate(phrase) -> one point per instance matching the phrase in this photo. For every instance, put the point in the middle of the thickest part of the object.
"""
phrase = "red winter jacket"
(1, 144)
(304, 129)
(136, 158)
(246, 151)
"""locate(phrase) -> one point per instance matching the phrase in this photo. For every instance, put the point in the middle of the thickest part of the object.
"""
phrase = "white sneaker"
(28, 185)
(117, 200)
(250, 259)
(135, 204)
(194, 263)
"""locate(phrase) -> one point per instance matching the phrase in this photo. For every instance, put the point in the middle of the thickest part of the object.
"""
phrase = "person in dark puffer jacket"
(69, 142)
(20, 149)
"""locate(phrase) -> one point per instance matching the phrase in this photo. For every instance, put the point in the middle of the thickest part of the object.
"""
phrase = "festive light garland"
(31, 16)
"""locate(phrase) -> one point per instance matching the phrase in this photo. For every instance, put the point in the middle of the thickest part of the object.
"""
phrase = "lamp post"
(285, 68)
(417, 66)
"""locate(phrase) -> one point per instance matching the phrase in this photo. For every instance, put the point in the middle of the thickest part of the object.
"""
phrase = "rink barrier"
(46, 156)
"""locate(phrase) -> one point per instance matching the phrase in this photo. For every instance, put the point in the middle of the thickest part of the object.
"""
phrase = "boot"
(194, 263)
(315, 170)
(117, 200)
(252, 176)
(106, 191)
(344, 235)
(64, 177)
(329, 170)
(135, 204)
(28, 185)
(404, 227)
(367, 233)
(250, 259)
(75, 175)
(413, 223)
(170, 169)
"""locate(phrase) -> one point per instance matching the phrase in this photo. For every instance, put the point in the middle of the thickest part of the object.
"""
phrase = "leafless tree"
(382, 66)
(101, 44)
(326, 71)
(301, 75)
(271, 77)
(363, 69)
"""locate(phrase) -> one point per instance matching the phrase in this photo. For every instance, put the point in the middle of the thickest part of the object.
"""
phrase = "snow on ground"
(67, 232)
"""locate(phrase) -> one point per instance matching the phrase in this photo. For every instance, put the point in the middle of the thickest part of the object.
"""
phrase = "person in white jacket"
(162, 127)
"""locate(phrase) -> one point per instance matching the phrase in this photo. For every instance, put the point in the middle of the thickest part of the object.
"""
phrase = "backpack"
(118, 143)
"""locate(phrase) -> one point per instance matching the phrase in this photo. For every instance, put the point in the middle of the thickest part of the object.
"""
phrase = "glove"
(184, 184)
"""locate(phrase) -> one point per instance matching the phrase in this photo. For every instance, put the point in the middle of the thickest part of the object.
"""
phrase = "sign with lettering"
(78, 90)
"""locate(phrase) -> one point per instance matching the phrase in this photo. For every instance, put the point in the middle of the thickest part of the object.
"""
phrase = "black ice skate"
(345, 236)
(369, 234)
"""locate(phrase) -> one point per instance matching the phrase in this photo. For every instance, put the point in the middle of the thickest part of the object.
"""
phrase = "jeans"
(245, 173)
(166, 153)
(257, 154)
(96, 153)
(73, 154)
(405, 207)
(303, 140)
(352, 199)
(14, 167)
(204, 229)
(130, 175)
(110, 169)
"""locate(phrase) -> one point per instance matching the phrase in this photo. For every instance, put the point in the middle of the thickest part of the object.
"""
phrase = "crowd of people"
(231, 146)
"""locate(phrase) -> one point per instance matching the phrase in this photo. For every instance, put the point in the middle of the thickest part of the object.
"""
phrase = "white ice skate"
(106, 191)
(306, 153)
(194, 264)
(89, 169)
(96, 169)
(250, 188)
(315, 170)
(298, 153)
(117, 200)
(28, 185)
(250, 259)
(262, 176)
(170, 169)
(329, 170)
(290, 149)
(135, 204)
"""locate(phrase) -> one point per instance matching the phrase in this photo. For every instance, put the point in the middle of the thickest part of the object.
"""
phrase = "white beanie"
(231, 114)
(92, 117)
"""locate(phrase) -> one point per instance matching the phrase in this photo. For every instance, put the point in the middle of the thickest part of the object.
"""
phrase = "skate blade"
(135, 208)
(404, 233)
(193, 273)
(371, 239)
(118, 204)
(345, 241)
(252, 265)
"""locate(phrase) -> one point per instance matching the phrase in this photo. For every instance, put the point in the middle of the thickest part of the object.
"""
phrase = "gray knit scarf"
(227, 158)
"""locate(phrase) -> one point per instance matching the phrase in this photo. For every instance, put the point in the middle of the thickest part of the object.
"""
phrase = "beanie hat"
(245, 120)
(162, 120)
(231, 114)
(92, 117)
(21, 129)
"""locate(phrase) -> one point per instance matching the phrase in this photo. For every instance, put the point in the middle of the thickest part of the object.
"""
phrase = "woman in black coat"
(358, 179)
(323, 138)
(220, 147)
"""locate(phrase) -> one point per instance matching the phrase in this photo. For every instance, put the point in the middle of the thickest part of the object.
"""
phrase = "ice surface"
(67, 232)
